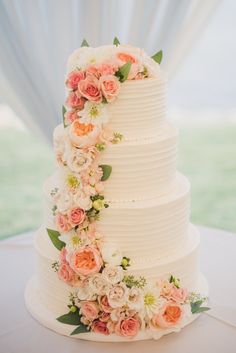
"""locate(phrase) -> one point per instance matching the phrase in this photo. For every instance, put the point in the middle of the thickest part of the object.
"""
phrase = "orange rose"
(169, 316)
(85, 261)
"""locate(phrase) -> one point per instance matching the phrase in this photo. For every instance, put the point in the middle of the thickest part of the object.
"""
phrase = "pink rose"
(67, 275)
(100, 327)
(76, 216)
(92, 70)
(128, 327)
(178, 295)
(169, 316)
(86, 261)
(90, 89)
(90, 310)
(75, 101)
(110, 87)
(165, 287)
(73, 79)
(63, 254)
(104, 317)
(104, 304)
(62, 223)
(107, 69)
(70, 116)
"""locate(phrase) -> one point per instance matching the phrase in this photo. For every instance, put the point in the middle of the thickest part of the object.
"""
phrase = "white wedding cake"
(118, 259)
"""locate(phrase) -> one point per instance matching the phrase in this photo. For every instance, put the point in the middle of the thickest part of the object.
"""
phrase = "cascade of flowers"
(104, 298)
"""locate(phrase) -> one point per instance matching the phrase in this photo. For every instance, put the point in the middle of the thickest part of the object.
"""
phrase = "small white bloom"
(117, 295)
(64, 202)
(153, 68)
(78, 161)
(95, 114)
(72, 240)
(152, 301)
(80, 58)
(85, 293)
(111, 254)
(113, 274)
(83, 201)
(135, 298)
(98, 285)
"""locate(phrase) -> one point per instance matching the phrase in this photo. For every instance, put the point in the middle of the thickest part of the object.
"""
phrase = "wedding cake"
(117, 257)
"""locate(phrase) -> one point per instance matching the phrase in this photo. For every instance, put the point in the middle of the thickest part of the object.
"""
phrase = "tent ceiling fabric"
(37, 36)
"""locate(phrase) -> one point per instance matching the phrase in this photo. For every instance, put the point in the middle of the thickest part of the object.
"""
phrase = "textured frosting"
(139, 112)
(144, 230)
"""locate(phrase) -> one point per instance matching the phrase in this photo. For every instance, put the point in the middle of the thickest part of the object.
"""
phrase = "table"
(214, 331)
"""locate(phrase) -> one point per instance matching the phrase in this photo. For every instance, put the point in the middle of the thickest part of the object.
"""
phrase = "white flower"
(117, 295)
(95, 114)
(83, 201)
(135, 298)
(111, 254)
(78, 161)
(153, 68)
(80, 58)
(64, 202)
(152, 301)
(72, 240)
(113, 274)
(85, 293)
(98, 284)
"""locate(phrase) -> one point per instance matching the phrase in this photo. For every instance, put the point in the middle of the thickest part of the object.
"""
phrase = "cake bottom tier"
(47, 297)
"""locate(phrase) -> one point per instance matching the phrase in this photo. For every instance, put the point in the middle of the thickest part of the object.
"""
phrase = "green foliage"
(123, 71)
(54, 236)
(196, 307)
(84, 43)
(63, 115)
(131, 281)
(116, 41)
(106, 169)
(158, 57)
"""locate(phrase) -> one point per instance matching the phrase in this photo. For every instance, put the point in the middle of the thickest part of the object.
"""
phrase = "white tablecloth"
(213, 332)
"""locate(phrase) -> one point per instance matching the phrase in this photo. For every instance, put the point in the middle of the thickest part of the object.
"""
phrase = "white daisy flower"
(95, 114)
(152, 301)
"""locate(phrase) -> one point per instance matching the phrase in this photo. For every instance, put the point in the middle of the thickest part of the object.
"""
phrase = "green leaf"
(116, 41)
(80, 329)
(123, 71)
(63, 115)
(106, 169)
(70, 318)
(84, 43)
(54, 236)
(157, 57)
(197, 308)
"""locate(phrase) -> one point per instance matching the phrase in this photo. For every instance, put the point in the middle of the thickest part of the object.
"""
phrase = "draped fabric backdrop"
(37, 36)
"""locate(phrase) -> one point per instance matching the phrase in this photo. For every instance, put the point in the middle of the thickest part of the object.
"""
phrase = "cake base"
(47, 317)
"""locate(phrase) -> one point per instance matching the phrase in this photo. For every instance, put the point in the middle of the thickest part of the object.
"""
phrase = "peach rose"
(100, 327)
(110, 87)
(104, 317)
(90, 89)
(178, 295)
(105, 304)
(83, 135)
(85, 261)
(76, 216)
(62, 223)
(67, 275)
(123, 58)
(170, 315)
(63, 254)
(73, 79)
(90, 310)
(75, 101)
(107, 69)
(92, 70)
(70, 116)
(128, 327)
(165, 287)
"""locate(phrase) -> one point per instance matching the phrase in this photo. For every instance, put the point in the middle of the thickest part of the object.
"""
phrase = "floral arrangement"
(106, 298)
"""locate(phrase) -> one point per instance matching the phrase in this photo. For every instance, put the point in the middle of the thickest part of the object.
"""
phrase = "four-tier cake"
(118, 259)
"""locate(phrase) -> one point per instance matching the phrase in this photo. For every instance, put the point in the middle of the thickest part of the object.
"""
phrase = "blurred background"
(198, 41)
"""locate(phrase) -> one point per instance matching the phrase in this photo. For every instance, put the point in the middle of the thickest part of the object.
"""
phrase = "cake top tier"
(116, 84)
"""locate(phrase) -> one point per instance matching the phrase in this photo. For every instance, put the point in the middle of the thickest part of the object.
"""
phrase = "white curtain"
(36, 37)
